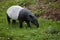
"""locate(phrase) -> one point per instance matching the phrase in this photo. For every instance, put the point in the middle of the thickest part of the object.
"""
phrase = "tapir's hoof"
(21, 27)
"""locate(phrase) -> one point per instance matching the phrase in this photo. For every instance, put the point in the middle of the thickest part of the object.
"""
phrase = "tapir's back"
(13, 12)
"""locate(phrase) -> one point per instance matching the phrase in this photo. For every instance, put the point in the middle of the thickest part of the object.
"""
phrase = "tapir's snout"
(37, 24)
(35, 21)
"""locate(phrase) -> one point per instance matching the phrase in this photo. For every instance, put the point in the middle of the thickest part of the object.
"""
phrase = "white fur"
(13, 11)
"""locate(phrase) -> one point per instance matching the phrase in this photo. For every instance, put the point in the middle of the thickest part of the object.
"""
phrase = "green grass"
(13, 32)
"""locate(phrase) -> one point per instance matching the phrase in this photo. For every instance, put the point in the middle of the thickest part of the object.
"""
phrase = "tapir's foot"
(21, 27)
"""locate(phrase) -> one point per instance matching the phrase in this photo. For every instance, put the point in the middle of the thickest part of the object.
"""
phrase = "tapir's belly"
(13, 12)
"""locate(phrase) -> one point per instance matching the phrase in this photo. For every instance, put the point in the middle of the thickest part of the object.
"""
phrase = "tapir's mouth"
(36, 24)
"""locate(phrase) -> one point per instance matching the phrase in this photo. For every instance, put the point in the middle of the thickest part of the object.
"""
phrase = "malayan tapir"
(21, 14)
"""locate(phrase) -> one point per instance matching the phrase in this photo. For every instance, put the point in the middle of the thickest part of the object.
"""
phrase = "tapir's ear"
(30, 16)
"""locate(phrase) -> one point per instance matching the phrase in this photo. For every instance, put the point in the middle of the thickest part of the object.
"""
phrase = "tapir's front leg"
(21, 23)
(28, 23)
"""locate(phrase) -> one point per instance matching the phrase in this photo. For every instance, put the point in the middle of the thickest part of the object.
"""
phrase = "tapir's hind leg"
(8, 19)
(13, 21)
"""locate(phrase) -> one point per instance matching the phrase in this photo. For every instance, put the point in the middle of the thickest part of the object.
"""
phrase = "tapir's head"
(34, 20)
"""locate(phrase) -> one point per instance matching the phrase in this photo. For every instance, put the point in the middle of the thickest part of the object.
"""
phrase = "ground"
(48, 29)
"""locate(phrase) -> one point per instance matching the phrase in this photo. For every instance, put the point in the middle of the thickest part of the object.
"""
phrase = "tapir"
(21, 14)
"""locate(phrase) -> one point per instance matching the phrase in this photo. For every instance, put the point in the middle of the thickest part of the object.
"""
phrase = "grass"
(13, 32)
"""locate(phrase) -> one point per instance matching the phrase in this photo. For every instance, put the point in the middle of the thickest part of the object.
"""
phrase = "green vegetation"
(48, 30)
(54, 5)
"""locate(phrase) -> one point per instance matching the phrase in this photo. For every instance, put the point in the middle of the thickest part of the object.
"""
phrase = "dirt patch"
(52, 14)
